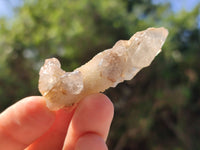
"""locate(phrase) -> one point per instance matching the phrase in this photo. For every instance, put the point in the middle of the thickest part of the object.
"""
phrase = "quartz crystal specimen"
(104, 70)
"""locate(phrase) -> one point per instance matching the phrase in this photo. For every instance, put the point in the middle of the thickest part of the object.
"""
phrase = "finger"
(55, 136)
(24, 122)
(93, 115)
(91, 142)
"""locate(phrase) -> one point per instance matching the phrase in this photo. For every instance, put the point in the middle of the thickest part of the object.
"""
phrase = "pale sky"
(176, 5)
(6, 7)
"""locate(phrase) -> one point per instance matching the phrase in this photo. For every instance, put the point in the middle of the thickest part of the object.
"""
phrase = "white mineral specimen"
(104, 70)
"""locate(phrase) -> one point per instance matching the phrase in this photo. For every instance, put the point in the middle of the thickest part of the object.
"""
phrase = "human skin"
(30, 125)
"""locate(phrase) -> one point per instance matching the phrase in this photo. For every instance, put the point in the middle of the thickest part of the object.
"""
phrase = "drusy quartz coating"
(106, 69)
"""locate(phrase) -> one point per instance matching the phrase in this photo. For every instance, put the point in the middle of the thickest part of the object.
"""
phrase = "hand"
(30, 125)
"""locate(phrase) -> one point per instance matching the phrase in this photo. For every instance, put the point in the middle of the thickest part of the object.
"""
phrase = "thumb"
(24, 122)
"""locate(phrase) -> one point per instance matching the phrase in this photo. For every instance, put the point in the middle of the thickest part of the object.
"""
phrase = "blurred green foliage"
(158, 110)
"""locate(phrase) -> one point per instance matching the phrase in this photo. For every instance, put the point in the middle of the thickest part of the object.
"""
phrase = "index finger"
(92, 118)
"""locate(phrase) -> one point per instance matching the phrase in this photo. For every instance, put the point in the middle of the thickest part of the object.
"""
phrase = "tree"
(156, 110)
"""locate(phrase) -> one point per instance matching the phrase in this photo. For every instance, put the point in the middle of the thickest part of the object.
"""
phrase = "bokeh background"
(159, 109)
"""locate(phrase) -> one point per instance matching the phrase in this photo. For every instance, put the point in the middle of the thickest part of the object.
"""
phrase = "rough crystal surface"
(73, 82)
(51, 76)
